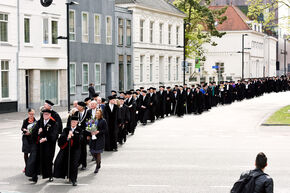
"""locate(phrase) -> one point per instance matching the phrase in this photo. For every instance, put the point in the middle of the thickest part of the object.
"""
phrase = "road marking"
(149, 185)
(4, 183)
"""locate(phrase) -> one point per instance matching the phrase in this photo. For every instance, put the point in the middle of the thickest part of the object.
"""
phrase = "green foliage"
(264, 12)
(202, 25)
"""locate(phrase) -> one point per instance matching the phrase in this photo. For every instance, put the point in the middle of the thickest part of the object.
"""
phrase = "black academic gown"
(144, 109)
(198, 102)
(161, 103)
(169, 98)
(26, 139)
(152, 106)
(82, 124)
(112, 118)
(72, 152)
(41, 158)
(132, 105)
(124, 121)
(180, 106)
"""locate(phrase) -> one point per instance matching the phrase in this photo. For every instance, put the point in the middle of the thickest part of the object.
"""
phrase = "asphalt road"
(193, 154)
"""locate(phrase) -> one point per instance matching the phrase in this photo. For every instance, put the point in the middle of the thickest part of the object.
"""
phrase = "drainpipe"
(17, 53)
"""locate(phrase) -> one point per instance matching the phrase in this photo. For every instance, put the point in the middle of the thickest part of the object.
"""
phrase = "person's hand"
(88, 138)
(40, 130)
(43, 140)
(27, 133)
(70, 134)
(95, 132)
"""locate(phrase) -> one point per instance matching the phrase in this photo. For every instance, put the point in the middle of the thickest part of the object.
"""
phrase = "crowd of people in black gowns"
(116, 118)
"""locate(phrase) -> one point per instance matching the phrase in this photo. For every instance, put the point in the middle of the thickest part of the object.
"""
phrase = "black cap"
(49, 102)
(87, 99)
(95, 95)
(132, 90)
(168, 87)
(113, 91)
(174, 90)
(176, 85)
(111, 97)
(128, 93)
(121, 98)
(135, 93)
(141, 87)
(74, 118)
(121, 92)
(46, 111)
(103, 100)
(161, 86)
(82, 104)
(138, 90)
(144, 91)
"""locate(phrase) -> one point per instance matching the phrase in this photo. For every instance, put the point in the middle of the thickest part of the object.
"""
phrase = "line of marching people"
(103, 124)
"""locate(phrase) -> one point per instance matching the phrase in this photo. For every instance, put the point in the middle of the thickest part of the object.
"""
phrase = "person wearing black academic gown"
(84, 116)
(27, 124)
(131, 103)
(111, 114)
(169, 98)
(144, 105)
(198, 100)
(180, 106)
(152, 105)
(44, 137)
(161, 97)
(54, 115)
(124, 120)
(175, 96)
(69, 153)
(189, 101)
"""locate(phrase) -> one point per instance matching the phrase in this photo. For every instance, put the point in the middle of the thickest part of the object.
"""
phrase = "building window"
(45, 31)
(141, 68)
(169, 68)
(109, 30)
(3, 27)
(85, 84)
(121, 72)
(26, 30)
(97, 29)
(177, 68)
(128, 32)
(98, 78)
(72, 75)
(85, 27)
(5, 79)
(72, 25)
(151, 31)
(141, 30)
(129, 70)
(160, 33)
(151, 68)
(169, 34)
(177, 35)
(120, 31)
(54, 32)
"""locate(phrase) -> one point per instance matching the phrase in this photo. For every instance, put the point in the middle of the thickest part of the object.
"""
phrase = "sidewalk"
(16, 118)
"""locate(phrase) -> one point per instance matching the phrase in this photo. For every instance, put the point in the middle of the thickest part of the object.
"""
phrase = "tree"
(202, 28)
(264, 12)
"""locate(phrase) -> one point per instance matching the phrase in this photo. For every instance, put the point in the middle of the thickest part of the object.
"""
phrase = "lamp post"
(284, 52)
(243, 53)
(184, 49)
(68, 52)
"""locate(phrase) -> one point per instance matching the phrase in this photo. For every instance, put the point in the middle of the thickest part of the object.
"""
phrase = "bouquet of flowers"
(31, 126)
(92, 126)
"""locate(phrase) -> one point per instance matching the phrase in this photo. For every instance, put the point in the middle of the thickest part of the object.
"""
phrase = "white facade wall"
(160, 75)
(8, 50)
(259, 60)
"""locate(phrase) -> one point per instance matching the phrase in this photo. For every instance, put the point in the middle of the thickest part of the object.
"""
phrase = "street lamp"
(184, 56)
(68, 53)
(243, 53)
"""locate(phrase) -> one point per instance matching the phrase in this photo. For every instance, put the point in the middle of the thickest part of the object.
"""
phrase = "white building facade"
(157, 33)
(37, 69)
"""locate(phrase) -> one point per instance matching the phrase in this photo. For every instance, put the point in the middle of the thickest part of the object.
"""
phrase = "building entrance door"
(49, 86)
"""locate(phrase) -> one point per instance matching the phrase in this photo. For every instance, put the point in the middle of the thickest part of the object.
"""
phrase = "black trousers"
(74, 163)
(83, 156)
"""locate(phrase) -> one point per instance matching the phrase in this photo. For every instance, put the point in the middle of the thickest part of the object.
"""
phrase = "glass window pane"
(85, 25)
(98, 78)
(5, 79)
(45, 31)
(85, 78)
(120, 31)
(72, 79)
(97, 29)
(3, 31)
(109, 30)
(54, 32)
(121, 72)
(128, 33)
(27, 30)
(72, 25)
(129, 78)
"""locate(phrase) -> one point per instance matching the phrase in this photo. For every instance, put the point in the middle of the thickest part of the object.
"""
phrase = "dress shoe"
(115, 150)
(50, 179)
(74, 183)
(96, 170)
(83, 168)
(34, 179)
